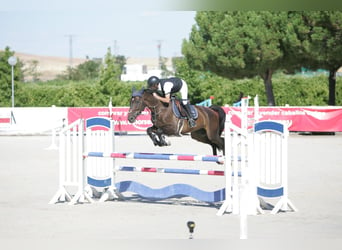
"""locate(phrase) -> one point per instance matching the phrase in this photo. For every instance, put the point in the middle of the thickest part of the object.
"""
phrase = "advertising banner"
(5, 118)
(118, 114)
(299, 119)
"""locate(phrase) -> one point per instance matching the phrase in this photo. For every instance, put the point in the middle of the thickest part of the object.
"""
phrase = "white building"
(140, 69)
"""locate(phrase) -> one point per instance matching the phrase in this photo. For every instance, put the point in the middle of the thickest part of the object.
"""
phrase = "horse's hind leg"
(215, 148)
(201, 136)
(216, 142)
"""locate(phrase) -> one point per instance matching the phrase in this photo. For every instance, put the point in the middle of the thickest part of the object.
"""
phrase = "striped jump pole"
(169, 170)
(152, 156)
(172, 170)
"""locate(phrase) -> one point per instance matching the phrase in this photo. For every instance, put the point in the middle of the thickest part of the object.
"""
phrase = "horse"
(209, 123)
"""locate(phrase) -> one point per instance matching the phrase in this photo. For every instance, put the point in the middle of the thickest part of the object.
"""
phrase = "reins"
(153, 108)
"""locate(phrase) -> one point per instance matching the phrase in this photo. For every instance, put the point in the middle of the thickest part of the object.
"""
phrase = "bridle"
(139, 103)
(153, 108)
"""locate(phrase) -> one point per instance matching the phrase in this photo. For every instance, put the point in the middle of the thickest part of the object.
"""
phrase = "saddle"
(179, 109)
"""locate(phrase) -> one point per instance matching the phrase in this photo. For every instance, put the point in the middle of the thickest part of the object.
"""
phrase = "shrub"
(292, 90)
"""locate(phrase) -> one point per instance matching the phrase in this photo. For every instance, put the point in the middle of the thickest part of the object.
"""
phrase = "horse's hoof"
(158, 143)
(166, 143)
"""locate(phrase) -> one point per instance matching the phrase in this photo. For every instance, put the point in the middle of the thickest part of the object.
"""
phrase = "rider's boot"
(192, 122)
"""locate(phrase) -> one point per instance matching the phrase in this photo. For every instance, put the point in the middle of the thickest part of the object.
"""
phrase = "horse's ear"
(137, 92)
(141, 91)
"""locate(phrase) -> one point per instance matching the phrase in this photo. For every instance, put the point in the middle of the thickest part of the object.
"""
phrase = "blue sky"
(133, 27)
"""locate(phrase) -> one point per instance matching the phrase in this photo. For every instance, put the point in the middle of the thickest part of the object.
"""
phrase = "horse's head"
(137, 104)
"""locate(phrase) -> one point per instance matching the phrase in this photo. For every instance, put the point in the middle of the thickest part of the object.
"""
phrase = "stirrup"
(192, 123)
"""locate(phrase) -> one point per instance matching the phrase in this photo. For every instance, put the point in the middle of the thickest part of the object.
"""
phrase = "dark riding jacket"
(177, 84)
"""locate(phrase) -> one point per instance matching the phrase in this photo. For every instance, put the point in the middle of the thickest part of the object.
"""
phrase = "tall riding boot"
(192, 122)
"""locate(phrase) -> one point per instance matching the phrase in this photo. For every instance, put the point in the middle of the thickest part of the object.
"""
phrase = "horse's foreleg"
(157, 137)
(151, 131)
(162, 138)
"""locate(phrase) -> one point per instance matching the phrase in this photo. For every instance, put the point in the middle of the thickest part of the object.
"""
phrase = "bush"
(301, 91)
(292, 90)
(59, 93)
(73, 94)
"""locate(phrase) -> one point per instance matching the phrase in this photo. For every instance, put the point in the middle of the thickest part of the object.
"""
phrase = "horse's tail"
(222, 116)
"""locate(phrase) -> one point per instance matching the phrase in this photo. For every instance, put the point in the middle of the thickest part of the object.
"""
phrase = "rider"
(170, 86)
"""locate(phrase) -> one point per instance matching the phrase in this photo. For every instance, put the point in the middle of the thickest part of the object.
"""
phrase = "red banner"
(299, 118)
(302, 119)
(118, 114)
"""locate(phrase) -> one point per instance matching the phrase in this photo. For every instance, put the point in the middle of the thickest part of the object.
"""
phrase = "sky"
(132, 28)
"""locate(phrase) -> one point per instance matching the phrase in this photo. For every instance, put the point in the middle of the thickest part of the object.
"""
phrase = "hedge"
(292, 90)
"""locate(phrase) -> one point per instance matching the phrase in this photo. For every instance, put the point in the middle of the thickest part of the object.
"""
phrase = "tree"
(89, 70)
(165, 72)
(323, 32)
(109, 81)
(242, 44)
(5, 76)
(111, 68)
(31, 71)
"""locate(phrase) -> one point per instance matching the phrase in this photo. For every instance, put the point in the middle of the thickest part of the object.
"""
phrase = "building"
(140, 69)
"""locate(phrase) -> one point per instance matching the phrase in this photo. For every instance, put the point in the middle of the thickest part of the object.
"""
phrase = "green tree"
(111, 68)
(109, 80)
(321, 33)
(197, 81)
(31, 71)
(165, 71)
(89, 70)
(6, 76)
(242, 44)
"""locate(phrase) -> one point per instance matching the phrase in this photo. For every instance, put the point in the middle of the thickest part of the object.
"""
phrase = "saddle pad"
(179, 111)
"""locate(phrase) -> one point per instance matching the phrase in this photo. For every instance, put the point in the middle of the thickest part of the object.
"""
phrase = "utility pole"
(115, 48)
(70, 50)
(159, 53)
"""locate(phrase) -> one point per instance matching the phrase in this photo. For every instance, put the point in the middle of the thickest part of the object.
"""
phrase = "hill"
(48, 66)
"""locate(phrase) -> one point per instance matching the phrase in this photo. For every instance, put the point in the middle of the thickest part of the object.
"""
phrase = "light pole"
(12, 61)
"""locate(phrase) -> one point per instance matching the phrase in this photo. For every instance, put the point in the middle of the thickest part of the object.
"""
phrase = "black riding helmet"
(152, 81)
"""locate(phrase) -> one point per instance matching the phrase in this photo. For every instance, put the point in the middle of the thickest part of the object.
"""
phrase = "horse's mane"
(151, 91)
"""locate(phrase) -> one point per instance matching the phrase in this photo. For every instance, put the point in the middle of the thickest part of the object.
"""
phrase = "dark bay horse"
(208, 129)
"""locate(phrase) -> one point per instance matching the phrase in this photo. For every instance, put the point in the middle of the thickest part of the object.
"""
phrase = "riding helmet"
(153, 80)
